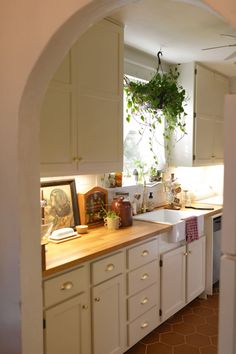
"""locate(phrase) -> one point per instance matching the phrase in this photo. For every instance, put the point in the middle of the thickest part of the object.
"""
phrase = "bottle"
(150, 202)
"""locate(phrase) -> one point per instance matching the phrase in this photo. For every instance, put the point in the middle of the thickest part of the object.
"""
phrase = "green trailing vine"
(163, 98)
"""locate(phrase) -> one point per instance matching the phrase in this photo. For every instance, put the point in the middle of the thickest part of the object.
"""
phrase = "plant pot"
(112, 223)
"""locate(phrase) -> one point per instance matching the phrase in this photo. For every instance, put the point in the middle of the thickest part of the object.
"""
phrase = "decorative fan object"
(231, 56)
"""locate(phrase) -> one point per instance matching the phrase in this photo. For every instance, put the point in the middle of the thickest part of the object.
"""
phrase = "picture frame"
(90, 205)
(59, 203)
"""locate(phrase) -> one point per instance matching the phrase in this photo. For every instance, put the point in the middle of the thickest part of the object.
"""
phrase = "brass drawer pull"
(144, 301)
(85, 307)
(97, 299)
(145, 325)
(144, 276)
(110, 267)
(145, 253)
(185, 254)
(67, 286)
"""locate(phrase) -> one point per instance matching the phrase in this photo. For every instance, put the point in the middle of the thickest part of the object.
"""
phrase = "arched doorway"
(46, 43)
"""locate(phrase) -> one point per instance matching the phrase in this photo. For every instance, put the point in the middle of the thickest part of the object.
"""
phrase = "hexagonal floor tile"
(207, 329)
(198, 340)
(159, 348)
(209, 350)
(184, 328)
(186, 349)
(172, 338)
(194, 319)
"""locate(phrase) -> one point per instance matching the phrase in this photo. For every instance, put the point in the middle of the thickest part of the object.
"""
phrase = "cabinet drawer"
(65, 286)
(142, 254)
(107, 268)
(143, 325)
(142, 277)
(143, 301)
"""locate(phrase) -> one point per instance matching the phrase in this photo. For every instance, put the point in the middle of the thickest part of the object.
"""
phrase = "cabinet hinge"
(195, 71)
(194, 114)
(44, 323)
(160, 312)
(194, 157)
(161, 263)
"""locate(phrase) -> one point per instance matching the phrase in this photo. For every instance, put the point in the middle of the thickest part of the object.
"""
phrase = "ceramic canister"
(124, 210)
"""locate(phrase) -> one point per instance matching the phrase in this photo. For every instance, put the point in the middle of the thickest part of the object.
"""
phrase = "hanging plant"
(151, 102)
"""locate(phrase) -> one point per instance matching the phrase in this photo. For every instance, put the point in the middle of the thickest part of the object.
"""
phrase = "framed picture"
(59, 204)
(90, 205)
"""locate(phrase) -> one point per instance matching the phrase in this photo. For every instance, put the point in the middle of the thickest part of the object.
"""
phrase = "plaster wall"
(34, 37)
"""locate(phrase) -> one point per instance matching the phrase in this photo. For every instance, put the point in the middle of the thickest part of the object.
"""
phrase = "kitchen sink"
(174, 218)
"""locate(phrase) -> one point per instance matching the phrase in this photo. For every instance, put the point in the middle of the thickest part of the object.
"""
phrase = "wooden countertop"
(100, 241)
(97, 242)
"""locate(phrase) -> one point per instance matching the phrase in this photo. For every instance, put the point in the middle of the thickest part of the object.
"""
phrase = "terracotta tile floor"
(193, 330)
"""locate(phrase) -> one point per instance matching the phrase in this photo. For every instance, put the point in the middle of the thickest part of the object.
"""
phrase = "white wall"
(140, 64)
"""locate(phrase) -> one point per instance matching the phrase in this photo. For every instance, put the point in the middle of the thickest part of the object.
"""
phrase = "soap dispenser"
(150, 202)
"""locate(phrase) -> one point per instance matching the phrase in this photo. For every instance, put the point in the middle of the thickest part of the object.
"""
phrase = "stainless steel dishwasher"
(217, 220)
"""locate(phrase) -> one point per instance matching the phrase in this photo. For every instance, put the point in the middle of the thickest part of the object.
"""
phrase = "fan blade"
(231, 56)
(228, 35)
(221, 46)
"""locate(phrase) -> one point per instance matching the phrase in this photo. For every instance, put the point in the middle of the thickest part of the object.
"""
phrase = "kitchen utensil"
(198, 208)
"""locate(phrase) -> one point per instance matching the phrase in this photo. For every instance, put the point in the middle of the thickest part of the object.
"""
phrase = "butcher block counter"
(100, 241)
(95, 243)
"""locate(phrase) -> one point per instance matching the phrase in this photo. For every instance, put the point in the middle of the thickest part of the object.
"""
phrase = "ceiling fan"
(231, 56)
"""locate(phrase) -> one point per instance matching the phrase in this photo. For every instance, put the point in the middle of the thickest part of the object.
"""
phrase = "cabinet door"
(173, 281)
(98, 70)
(68, 327)
(204, 138)
(218, 142)
(57, 124)
(205, 92)
(108, 319)
(196, 268)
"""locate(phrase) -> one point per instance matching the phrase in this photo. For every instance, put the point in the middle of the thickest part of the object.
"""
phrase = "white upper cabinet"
(203, 143)
(81, 120)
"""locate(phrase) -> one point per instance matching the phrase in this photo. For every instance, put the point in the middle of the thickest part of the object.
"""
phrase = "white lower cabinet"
(67, 324)
(108, 317)
(109, 304)
(173, 281)
(196, 268)
(182, 276)
(68, 327)
(143, 290)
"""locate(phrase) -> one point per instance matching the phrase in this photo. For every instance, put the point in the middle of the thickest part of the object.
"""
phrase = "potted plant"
(151, 102)
(111, 219)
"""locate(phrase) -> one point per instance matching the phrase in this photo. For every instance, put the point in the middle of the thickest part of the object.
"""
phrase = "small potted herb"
(111, 219)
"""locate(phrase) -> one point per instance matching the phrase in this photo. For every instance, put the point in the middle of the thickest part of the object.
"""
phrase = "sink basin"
(174, 218)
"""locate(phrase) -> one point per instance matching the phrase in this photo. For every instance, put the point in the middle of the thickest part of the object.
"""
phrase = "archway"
(22, 297)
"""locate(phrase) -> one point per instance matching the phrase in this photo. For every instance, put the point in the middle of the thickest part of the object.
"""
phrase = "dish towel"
(191, 229)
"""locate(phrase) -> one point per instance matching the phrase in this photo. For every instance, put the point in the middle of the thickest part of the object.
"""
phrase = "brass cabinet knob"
(110, 267)
(97, 299)
(67, 286)
(145, 253)
(144, 301)
(144, 276)
(145, 325)
(85, 307)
